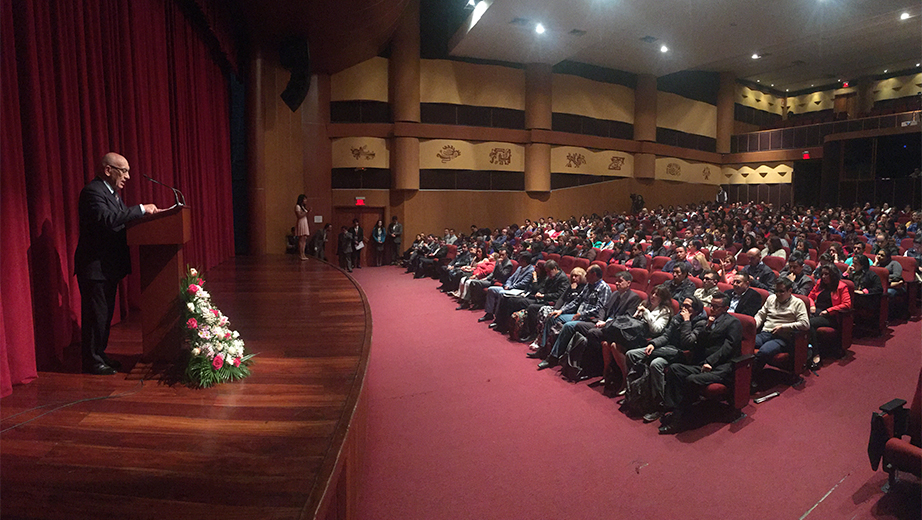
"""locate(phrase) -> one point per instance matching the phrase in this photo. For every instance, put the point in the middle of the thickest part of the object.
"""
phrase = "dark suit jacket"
(621, 304)
(102, 249)
(555, 287)
(715, 346)
(750, 302)
(501, 272)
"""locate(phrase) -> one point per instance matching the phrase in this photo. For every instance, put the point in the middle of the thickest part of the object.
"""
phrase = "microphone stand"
(180, 199)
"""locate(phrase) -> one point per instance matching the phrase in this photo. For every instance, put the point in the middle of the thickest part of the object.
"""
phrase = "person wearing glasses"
(709, 287)
(712, 347)
(779, 319)
(102, 258)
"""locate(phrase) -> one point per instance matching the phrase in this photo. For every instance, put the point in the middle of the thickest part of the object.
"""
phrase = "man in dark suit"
(760, 275)
(102, 258)
(743, 299)
(394, 234)
(712, 348)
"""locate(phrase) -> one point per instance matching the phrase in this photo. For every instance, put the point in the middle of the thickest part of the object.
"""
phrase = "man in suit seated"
(517, 284)
(712, 348)
(760, 275)
(548, 291)
(451, 274)
(501, 272)
(428, 264)
(794, 272)
(743, 299)
(677, 258)
(666, 348)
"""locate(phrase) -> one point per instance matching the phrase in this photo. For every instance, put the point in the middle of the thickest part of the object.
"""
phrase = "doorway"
(343, 216)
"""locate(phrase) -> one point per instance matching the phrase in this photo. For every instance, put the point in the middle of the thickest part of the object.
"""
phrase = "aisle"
(461, 425)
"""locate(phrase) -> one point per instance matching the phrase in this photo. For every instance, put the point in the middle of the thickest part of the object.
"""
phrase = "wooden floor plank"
(258, 448)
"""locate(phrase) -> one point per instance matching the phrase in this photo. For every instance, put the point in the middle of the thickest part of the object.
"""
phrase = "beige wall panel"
(678, 170)
(820, 100)
(361, 152)
(444, 81)
(893, 88)
(464, 155)
(585, 97)
(685, 115)
(366, 81)
(759, 100)
(770, 173)
(574, 159)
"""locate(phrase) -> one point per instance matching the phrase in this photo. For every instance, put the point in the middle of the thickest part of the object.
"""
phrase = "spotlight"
(539, 29)
(756, 56)
(904, 16)
(664, 49)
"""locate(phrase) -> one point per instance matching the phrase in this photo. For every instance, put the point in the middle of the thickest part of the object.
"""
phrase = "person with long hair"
(828, 299)
(302, 230)
(378, 236)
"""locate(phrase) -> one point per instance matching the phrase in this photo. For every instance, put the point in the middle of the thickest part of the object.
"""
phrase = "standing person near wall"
(394, 231)
(302, 230)
(358, 243)
(378, 236)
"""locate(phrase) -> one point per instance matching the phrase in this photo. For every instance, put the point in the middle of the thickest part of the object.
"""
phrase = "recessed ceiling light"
(904, 16)
(758, 81)
(885, 71)
(773, 84)
(664, 49)
(539, 29)
(787, 90)
(918, 64)
(755, 56)
(811, 84)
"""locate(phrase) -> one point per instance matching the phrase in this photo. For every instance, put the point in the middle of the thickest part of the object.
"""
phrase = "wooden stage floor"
(262, 448)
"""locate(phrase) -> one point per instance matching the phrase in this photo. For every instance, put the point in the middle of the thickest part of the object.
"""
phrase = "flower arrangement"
(216, 354)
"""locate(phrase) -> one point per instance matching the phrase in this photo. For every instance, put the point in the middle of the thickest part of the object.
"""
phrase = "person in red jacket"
(827, 298)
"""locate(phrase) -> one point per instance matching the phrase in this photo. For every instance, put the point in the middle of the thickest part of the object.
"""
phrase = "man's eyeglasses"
(116, 168)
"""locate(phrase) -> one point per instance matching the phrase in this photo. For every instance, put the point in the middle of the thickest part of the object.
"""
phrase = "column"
(403, 79)
(726, 100)
(538, 81)
(645, 124)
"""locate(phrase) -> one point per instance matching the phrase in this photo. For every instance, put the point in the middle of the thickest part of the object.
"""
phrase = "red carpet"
(461, 425)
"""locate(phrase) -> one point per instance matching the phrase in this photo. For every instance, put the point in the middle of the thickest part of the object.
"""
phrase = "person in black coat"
(743, 299)
(358, 243)
(102, 257)
(712, 348)
(546, 292)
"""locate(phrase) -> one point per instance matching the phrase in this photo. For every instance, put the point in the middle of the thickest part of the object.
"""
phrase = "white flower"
(223, 321)
(235, 335)
(204, 333)
(193, 272)
(196, 351)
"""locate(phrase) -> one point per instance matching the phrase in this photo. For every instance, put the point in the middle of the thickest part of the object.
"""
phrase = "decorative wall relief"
(575, 160)
(616, 163)
(500, 156)
(706, 172)
(448, 153)
(362, 151)
(673, 169)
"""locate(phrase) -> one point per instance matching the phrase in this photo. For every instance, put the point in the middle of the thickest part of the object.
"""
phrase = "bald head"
(115, 170)
(755, 256)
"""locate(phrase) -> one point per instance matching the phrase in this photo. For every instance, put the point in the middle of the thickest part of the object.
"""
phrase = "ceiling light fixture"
(904, 16)
(885, 71)
(539, 29)
(756, 56)
(664, 49)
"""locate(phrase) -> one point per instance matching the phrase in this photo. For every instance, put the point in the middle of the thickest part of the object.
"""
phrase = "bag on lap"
(627, 331)
(579, 362)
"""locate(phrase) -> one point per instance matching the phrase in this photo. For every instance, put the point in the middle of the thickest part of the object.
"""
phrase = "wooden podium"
(160, 239)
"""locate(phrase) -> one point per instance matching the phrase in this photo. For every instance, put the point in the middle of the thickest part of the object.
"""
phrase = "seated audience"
(760, 275)
(828, 299)
(545, 291)
(709, 287)
(780, 317)
(711, 350)
(743, 299)
(680, 287)
(517, 284)
(538, 315)
(795, 272)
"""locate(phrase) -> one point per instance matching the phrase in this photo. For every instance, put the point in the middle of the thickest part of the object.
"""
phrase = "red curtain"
(80, 78)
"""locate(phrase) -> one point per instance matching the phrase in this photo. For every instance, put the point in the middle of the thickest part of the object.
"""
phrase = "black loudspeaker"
(294, 55)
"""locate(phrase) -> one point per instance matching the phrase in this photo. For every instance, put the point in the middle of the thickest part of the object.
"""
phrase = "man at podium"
(102, 257)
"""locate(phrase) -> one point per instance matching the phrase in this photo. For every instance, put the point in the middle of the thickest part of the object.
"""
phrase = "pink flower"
(215, 312)
(237, 362)
(198, 281)
(218, 362)
(193, 288)
(192, 324)
(227, 335)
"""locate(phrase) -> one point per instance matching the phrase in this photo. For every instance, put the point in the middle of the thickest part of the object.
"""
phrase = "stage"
(281, 444)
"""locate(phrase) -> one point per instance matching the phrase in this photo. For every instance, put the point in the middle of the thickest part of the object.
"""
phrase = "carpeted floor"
(461, 425)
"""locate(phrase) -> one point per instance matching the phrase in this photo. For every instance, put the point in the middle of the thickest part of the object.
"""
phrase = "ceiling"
(802, 42)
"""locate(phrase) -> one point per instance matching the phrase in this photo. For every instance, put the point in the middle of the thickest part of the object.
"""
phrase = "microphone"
(180, 200)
